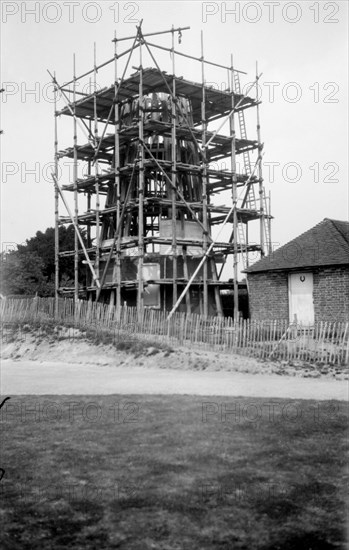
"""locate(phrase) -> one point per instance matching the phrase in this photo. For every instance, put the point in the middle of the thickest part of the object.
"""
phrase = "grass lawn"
(172, 472)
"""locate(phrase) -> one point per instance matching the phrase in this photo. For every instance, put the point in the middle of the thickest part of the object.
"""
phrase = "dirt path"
(44, 378)
(39, 364)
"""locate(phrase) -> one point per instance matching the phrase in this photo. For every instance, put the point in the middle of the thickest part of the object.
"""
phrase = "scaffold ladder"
(242, 242)
(267, 246)
(250, 198)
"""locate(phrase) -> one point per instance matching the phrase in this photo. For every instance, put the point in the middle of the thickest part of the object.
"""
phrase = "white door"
(300, 298)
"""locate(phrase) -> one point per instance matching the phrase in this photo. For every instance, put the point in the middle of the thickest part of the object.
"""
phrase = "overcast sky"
(301, 48)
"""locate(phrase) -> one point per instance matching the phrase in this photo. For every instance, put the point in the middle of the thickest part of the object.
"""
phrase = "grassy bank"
(50, 340)
(50, 330)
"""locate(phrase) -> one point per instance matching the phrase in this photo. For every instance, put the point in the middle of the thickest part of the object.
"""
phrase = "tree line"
(30, 269)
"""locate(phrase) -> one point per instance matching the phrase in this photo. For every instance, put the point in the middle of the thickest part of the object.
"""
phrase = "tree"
(31, 268)
(22, 273)
(43, 244)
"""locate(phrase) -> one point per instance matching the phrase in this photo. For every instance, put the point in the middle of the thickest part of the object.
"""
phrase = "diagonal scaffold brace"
(94, 275)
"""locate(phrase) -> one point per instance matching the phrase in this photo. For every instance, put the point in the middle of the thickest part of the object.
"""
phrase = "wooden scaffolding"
(150, 172)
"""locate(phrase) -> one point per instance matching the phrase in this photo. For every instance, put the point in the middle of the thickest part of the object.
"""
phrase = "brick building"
(307, 277)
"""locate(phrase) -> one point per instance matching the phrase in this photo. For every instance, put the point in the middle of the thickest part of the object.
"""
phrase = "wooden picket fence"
(325, 342)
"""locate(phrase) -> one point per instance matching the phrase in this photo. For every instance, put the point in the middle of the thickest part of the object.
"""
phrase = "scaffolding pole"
(117, 183)
(269, 224)
(174, 180)
(97, 262)
(140, 184)
(234, 192)
(179, 29)
(75, 179)
(56, 196)
(89, 197)
(190, 56)
(260, 174)
(204, 176)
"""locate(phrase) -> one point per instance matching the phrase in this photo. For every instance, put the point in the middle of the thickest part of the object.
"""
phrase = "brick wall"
(268, 294)
(331, 294)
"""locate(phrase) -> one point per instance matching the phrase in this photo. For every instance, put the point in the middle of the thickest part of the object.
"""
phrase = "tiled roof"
(323, 245)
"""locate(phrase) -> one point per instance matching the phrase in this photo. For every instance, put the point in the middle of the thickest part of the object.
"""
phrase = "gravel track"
(25, 377)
